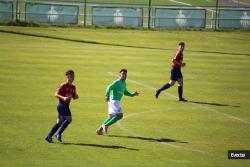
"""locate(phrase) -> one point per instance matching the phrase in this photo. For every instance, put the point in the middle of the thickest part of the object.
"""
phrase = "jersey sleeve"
(127, 93)
(60, 89)
(110, 88)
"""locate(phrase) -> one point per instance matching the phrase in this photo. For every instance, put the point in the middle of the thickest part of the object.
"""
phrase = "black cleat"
(59, 137)
(157, 93)
(49, 139)
(182, 99)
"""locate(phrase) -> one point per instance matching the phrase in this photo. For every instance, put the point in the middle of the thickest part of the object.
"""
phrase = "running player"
(115, 111)
(65, 92)
(176, 75)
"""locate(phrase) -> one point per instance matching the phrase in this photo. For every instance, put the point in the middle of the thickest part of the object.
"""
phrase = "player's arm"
(108, 90)
(76, 96)
(127, 93)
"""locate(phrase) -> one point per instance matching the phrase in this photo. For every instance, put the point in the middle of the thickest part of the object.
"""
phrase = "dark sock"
(166, 86)
(63, 127)
(53, 130)
(180, 91)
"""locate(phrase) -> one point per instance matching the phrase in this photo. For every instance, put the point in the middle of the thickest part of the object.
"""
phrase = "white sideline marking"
(180, 2)
(194, 104)
(187, 4)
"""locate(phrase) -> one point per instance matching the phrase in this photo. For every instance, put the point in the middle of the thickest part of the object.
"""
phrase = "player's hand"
(107, 99)
(183, 64)
(67, 98)
(136, 93)
(76, 96)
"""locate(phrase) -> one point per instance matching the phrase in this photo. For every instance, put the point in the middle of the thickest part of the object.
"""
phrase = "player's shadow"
(101, 146)
(161, 140)
(213, 104)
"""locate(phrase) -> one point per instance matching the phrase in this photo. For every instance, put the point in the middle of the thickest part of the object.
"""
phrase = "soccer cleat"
(49, 139)
(59, 137)
(182, 99)
(157, 93)
(105, 129)
(99, 132)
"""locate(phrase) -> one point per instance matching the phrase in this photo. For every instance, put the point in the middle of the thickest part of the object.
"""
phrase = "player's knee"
(120, 116)
(69, 120)
(60, 121)
(171, 83)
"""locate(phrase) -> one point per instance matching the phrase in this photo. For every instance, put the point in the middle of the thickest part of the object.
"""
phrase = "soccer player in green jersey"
(118, 87)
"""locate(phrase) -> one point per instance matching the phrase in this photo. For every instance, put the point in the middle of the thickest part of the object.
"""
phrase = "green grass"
(153, 132)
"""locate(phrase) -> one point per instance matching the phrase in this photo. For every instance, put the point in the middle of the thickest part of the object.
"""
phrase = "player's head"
(181, 46)
(70, 75)
(123, 74)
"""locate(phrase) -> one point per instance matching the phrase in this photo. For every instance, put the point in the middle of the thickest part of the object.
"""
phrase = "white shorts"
(114, 107)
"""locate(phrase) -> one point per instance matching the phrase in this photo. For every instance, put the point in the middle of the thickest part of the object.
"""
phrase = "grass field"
(161, 132)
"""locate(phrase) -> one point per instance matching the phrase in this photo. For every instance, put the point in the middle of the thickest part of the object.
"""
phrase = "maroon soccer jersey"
(178, 56)
(66, 90)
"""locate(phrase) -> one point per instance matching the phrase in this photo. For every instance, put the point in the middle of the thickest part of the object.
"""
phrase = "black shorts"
(175, 74)
(63, 110)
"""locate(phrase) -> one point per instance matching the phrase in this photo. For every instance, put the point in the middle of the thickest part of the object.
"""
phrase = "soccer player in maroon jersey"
(65, 92)
(176, 75)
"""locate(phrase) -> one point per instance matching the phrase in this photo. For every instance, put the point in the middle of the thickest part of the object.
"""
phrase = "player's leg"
(173, 79)
(100, 129)
(114, 119)
(66, 122)
(164, 87)
(115, 114)
(56, 126)
(180, 89)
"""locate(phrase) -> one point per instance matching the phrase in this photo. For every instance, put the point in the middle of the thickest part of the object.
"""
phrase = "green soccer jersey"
(119, 89)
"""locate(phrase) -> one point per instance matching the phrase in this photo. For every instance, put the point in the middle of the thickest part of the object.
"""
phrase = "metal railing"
(85, 15)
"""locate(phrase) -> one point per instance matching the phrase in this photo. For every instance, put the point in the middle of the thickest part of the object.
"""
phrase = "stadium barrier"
(180, 18)
(6, 11)
(234, 19)
(125, 15)
(117, 16)
(51, 13)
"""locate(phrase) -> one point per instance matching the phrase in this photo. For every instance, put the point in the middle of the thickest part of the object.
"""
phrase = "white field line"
(194, 104)
(187, 4)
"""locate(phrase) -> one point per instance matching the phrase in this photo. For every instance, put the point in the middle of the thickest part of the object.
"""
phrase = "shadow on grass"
(112, 44)
(101, 146)
(164, 140)
(213, 104)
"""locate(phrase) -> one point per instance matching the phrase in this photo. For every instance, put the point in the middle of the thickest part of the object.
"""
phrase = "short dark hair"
(181, 43)
(124, 70)
(70, 71)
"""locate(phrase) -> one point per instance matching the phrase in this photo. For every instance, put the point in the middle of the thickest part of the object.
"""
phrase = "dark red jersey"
(66, 90)
(178, 56)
